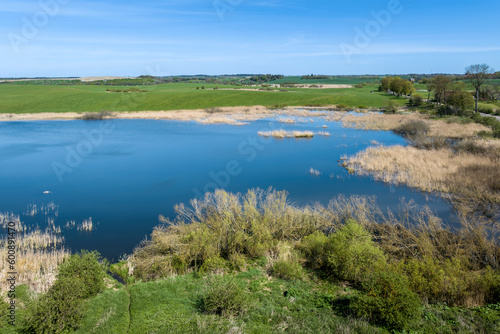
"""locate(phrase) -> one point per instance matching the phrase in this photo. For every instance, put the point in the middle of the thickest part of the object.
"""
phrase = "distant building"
(412, 80)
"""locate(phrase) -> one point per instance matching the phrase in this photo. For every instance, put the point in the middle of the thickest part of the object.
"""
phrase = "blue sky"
(129, 38)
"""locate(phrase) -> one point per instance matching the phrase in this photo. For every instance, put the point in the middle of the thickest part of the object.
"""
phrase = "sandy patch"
(325, 86)
(89, 79)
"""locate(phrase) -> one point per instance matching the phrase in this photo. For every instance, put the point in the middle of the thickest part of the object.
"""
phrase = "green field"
(85, 98)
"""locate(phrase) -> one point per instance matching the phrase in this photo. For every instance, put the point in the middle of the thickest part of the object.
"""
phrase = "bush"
(352, 253)
(342, 106)
(416, 101)
(59, 311)
(289, 269)
(392, 107)
(214, 265)
(92, 116)
(87, 269)
(223, 296)
(486, 110)
(314, 249)
(413, 128)
(451, 282)
(387, 301)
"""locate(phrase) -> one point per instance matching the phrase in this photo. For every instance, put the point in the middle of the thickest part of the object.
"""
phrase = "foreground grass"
(37, 98)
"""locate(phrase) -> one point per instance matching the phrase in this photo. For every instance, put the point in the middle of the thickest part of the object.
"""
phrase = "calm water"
(124, 173)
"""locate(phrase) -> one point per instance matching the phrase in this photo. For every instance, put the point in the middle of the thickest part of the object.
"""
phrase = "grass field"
(37, 98)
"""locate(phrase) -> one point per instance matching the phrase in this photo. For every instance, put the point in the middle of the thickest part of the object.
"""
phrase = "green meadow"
(16, 98)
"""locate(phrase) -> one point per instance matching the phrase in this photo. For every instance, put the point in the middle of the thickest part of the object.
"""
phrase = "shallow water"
(124, 173)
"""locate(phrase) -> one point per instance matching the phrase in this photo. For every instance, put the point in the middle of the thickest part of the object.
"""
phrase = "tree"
(386, 83)
(461, 100)
(497, 74)
(439, 84)
(397, 85)
(477, 75)
(408, 88)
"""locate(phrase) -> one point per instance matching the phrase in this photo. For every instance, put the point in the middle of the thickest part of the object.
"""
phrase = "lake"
(125, 173)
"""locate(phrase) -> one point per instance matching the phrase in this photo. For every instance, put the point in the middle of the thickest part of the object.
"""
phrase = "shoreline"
(224, 115)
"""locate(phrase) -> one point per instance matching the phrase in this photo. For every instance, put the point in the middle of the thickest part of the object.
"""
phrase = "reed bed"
(286, 120)
(386, 122)
(286, 134)
(464, 174)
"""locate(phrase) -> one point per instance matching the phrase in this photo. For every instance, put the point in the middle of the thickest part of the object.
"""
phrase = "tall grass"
(38, 254)
(466, 175)
(263, 223)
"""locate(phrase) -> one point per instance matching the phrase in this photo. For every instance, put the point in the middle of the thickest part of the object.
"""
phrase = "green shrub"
(451, 282)
(342, 106)
(59, 311)
(391, 107)
(416, 101)
(86, 267)
(353, 253)
(289, 269)
(314, 249)
(214, 265)
(223, 296)
(387, 301)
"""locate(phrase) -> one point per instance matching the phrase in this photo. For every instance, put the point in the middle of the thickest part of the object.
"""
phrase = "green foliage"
(59, 311)
(417, 101)
(87, 267)
(223, 296)
(314, 249)
(461, 100)
(352, 253)
(214, 265)
(451, 281)
(387, 301)
(121, 269)
(288, 269)
(391, 107)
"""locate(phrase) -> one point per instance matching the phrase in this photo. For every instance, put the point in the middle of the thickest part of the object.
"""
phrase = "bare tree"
(477, 75)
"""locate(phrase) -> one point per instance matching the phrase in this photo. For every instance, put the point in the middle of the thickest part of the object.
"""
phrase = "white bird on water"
(46, 192)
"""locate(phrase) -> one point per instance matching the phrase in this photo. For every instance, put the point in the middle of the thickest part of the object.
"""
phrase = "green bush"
(223, 296)
(342, 106)
(86, 267)
(353, 253)
(289, 269)
(391, 107)
(214, 265)
(451, 282)
(387, 301)
(314, 249)
(58, 311)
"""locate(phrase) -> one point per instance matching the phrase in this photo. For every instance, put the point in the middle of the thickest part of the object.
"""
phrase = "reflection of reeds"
(287, 134)
(314, 172)
(86, 225)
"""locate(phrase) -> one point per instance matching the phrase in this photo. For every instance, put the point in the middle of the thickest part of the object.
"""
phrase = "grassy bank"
(255, 263)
